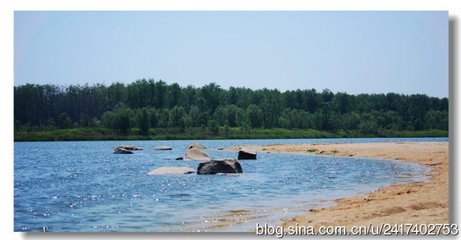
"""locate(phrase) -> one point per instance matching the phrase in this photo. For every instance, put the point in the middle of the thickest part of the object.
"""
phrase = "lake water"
(84, 187)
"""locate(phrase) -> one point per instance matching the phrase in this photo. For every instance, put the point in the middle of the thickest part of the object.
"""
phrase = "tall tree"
(144, 122)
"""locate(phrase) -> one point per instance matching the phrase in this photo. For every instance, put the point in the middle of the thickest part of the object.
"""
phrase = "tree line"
(150, 104)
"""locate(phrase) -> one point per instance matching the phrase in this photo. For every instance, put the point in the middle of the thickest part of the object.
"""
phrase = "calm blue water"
(84, 187)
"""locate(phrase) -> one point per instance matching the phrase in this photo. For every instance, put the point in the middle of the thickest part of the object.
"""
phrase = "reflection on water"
(83, 187)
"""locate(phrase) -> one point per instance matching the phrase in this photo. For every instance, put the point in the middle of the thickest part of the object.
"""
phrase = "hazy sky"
(354, 52)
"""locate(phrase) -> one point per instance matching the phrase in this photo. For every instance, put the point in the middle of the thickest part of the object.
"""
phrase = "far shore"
(411, 203)
(100, 134)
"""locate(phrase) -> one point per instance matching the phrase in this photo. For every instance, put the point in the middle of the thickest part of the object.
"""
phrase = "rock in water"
(171, 171)
(196, 145)
(196, 154)
(122, 151)
(130, 148)
(247, 154)
(163, 148)
(219, 166)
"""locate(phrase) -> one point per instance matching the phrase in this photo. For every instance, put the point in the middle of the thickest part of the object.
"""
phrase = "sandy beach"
(413, 203)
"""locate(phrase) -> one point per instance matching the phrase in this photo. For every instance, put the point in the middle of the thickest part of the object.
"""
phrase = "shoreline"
(406, 203)
(105, 134)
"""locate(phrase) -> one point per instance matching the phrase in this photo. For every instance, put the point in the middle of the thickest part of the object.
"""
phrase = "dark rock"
(219, 166)
(163, 148)
(122, 151)
(130, 148)
(179, 158)
(247, 154)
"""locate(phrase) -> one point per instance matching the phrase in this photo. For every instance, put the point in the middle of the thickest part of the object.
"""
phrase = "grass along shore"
(94, 134)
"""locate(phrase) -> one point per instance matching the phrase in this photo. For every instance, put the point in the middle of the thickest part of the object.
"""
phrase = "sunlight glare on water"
(84, 187)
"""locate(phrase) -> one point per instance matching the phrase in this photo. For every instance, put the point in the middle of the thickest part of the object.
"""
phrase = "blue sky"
(354, 52)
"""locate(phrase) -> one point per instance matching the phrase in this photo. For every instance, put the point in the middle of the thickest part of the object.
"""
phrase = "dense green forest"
(154, 108)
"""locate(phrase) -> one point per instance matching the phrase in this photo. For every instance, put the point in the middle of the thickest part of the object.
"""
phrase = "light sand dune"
(423, 202)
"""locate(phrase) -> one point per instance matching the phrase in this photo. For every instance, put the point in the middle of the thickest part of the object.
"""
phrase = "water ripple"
(59, 188)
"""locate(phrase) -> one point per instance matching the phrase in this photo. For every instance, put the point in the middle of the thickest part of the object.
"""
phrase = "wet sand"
(411, 203)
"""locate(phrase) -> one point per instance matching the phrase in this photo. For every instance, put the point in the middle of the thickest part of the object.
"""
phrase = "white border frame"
(7, 8)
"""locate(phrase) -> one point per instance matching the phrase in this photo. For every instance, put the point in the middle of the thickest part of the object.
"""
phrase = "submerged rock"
(219, 166)
(196, 145)
(179, 158)
(247, 154)
(130, 148)
(196, 154)
(171, 171)
(119, 150)
(163, 148)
